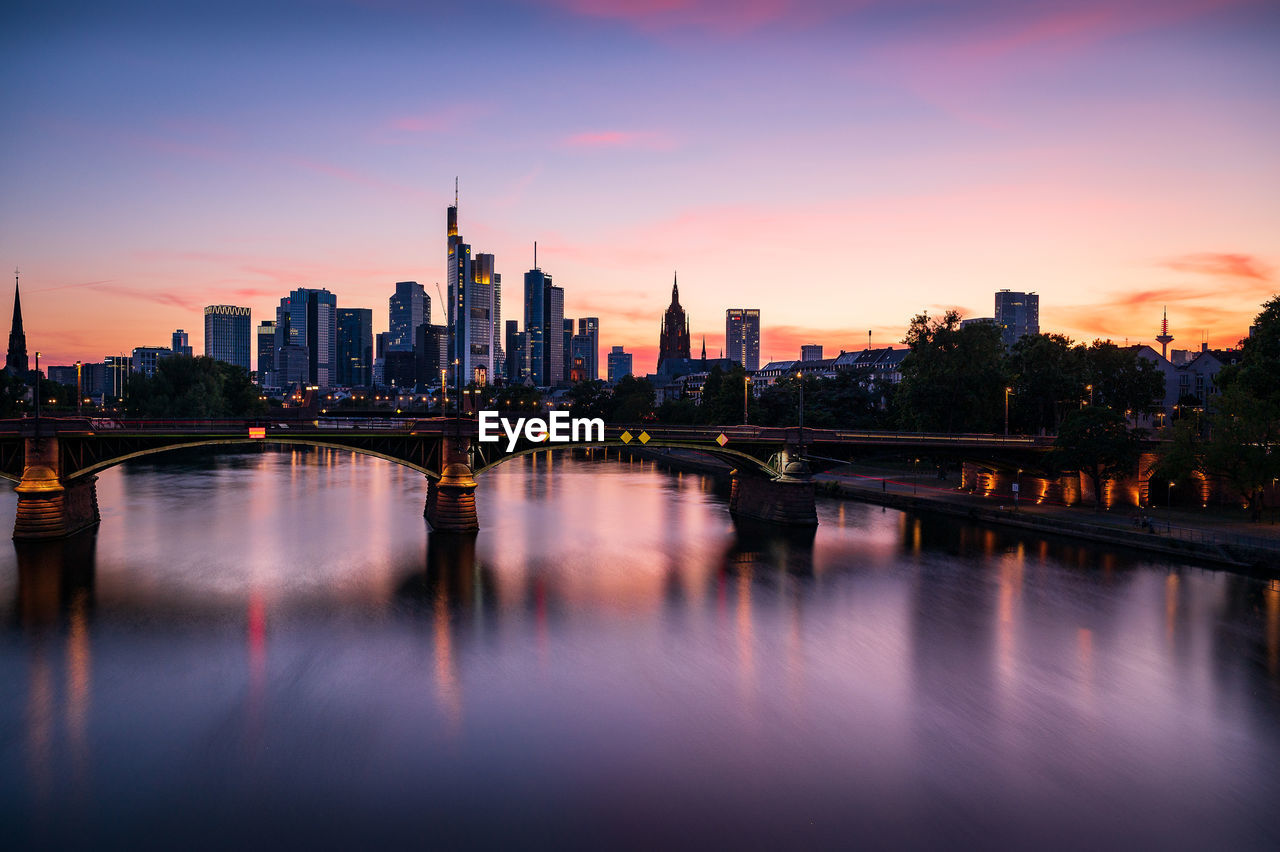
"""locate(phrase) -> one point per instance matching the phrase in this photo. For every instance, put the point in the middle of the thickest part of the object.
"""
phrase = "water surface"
(270, 647)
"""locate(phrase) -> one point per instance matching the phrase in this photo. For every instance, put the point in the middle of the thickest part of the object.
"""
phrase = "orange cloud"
(1221, 265)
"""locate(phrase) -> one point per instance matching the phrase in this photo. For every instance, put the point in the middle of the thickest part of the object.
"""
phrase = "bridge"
(54, 461)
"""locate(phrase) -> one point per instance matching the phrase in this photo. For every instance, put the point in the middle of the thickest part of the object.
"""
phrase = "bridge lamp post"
(746, 396)
(37, 385)
(79, 393)
(1007, 391)
(1168, 505)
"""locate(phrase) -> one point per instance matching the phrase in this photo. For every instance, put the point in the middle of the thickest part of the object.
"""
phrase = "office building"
(431, 353)
(1017, 314)
(742, 337)
(227, 334)
(590, 327)
(267, 353)
(568, 346)
(811, 352)
(517, 364)
(308, 318)
(471, 309)
(544, 326)
(145, 358)
(410, 307)
(181, 345)
(619, 364)
(355, 346)
(674, 341)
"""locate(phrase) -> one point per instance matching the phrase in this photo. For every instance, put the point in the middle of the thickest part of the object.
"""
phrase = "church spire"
(704, 347)
(675, 290)
(16, 361)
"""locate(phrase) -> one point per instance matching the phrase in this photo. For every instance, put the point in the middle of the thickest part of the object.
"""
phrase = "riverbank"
(1181, 535)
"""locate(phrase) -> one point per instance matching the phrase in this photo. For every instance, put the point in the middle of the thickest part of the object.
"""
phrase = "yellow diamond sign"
(626, 437)
(721, 439)
(644, 437)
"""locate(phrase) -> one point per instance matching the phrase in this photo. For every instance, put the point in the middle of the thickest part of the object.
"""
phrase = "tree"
(1244, 422)
(953, 379)
(1097, 442)
(1122, 380)
(1047, 377)
(198, 387)
(590, 399)
(632, 400)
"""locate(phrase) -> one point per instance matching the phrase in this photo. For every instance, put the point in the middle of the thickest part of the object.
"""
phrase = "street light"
(746, 391)
(1007, 391)
(1168, 505)
(79, 393)
(37, 385)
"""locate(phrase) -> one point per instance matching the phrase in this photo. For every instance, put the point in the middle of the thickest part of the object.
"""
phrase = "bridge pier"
(786, 499)
(48, 507)
(451, 500)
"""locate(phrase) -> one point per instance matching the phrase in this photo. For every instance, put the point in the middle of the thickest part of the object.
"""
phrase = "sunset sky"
(839, 165)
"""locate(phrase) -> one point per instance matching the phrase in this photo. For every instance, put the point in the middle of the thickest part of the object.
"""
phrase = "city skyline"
(912, 149)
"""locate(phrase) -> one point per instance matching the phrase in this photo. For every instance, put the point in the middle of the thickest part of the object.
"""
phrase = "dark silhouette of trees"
(198, 387)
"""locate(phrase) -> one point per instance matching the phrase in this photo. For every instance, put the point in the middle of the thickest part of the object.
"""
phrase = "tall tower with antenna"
(1164, 338)
(16, 361)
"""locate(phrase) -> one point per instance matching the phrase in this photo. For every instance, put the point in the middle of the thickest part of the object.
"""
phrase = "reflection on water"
(270, 647)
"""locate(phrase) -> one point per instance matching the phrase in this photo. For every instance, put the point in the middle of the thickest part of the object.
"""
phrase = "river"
(270, 649)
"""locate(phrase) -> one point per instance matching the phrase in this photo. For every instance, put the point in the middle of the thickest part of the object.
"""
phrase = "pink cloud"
(643, 140)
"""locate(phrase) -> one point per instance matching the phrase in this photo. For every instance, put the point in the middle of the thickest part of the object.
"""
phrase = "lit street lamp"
(37, 385)
(1007, 391)
(746, 393)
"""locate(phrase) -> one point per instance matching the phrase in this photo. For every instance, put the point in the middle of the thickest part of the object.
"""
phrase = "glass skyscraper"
(227, 334)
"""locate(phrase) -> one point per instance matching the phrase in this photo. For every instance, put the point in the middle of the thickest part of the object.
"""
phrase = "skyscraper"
(470, 317)
(308, 319)
(590, 327)
(410, 307)
(355, 346)
(674, 342)
(181, 343)
(517, 366)
(16, 361)
(226, 334)
(544, 325)
(742, 337)
(619, 364)
(431, 351)
(568, 349)
(1017, 314)
(267, 353)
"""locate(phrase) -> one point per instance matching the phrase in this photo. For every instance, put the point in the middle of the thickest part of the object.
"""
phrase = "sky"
(842, 166)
